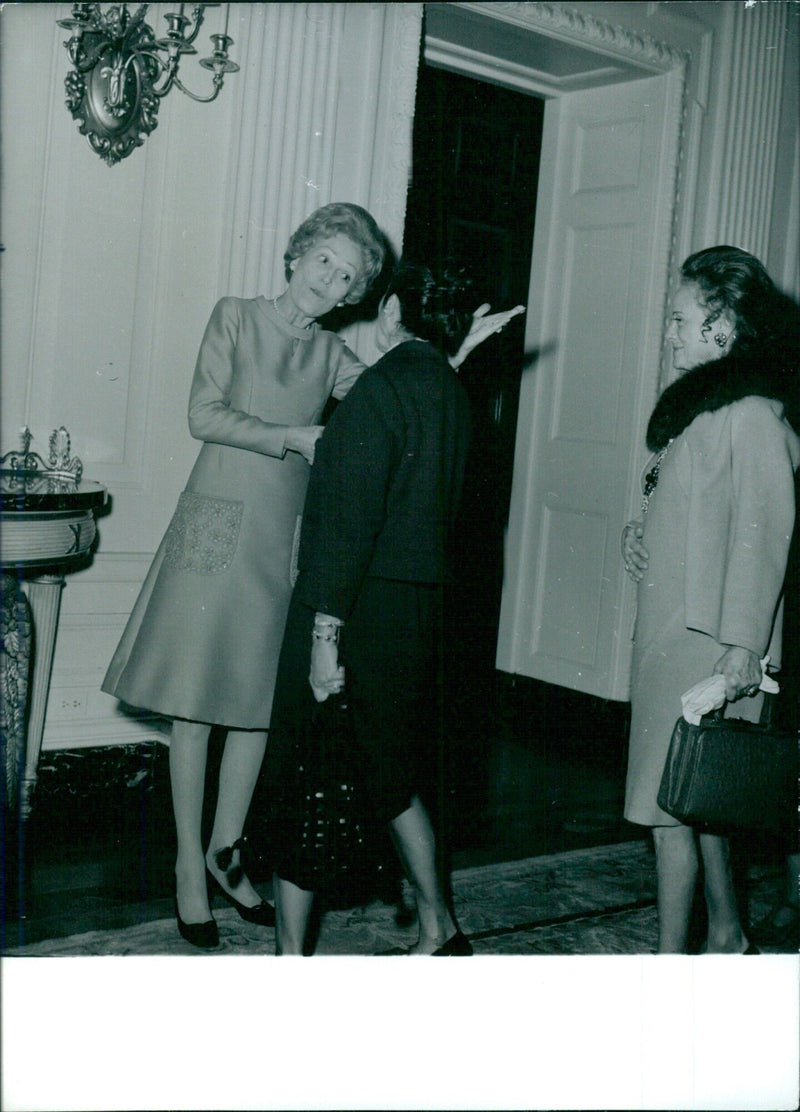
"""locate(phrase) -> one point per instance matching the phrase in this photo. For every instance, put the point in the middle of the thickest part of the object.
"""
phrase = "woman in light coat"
(709, 553)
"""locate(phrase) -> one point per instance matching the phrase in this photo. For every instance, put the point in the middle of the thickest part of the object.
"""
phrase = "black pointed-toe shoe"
(205, 936)
(263, 913)
(457, 946)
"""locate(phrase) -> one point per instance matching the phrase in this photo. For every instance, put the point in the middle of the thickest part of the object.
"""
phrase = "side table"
(47, 528)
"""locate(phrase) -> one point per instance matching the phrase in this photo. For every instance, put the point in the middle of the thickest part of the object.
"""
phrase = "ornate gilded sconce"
(113, 91)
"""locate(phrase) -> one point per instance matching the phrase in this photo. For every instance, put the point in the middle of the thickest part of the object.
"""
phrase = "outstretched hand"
(484, 324)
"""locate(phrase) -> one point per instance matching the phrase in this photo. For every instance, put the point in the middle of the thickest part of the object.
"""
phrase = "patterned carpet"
(593, 901)
(140, 1032)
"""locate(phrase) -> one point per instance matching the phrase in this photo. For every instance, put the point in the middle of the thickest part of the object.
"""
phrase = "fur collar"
(718, 383)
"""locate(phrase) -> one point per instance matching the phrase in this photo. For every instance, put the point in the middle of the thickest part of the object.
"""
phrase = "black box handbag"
(727, 772)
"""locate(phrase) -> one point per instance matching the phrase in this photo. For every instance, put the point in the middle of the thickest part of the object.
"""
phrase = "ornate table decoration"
(47, 528)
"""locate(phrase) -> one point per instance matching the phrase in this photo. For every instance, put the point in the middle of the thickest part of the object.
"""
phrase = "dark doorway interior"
(473, 199)
(526, 767)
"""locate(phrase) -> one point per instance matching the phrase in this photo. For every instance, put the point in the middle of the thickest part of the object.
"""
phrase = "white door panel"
(594, 314)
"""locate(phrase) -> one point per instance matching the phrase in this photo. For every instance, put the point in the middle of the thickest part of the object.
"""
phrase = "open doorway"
(515, 769)
(473, 198)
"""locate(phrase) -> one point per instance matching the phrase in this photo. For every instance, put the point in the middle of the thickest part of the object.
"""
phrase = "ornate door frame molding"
(626, 54)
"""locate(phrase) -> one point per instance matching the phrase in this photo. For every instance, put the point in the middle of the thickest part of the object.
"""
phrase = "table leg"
(44, 596)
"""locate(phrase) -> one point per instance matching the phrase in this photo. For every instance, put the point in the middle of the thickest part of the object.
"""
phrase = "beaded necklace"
(651, 478)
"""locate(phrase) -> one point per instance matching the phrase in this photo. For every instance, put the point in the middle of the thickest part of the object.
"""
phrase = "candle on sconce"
(227, 14)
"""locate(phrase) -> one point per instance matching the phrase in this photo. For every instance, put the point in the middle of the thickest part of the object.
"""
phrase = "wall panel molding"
(743, 131)
(282, 152)
(748, 128)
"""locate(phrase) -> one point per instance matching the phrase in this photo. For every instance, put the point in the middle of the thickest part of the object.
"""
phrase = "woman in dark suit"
(373, 558)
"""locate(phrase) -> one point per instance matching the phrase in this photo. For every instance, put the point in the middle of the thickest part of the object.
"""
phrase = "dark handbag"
(727, 772)
(327, 836)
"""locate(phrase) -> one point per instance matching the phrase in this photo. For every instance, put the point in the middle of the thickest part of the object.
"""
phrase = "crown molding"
(580, 29)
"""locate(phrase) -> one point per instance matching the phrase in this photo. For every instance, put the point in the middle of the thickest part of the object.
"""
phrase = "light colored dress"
(669, 657)
(204, 637)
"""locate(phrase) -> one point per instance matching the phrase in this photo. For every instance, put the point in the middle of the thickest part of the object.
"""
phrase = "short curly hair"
(437, 307)
(341, 218)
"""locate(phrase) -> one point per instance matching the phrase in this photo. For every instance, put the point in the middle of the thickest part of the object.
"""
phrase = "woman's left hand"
(483, 325)
(742, 671)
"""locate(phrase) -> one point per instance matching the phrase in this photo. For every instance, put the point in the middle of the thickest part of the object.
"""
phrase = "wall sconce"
(113, 91)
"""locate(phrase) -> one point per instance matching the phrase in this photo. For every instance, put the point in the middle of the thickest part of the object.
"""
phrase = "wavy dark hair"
(341, 218)
(434, 307)
(764, 359)
(733, 280)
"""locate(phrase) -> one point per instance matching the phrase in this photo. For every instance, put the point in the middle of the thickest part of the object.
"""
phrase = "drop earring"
(720, 339)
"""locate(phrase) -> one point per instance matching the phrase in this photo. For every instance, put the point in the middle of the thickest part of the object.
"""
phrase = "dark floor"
(528, 770)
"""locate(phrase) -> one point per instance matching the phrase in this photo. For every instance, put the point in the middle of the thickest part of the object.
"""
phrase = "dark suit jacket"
(386, 480)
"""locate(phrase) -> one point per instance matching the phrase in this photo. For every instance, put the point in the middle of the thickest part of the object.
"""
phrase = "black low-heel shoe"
(263, 914)
(203, 935)
(457, 946)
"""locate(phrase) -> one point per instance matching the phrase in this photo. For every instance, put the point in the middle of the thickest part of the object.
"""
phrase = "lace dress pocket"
(203, 534)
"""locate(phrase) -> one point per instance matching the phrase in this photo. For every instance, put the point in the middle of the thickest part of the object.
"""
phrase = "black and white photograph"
(399, 449)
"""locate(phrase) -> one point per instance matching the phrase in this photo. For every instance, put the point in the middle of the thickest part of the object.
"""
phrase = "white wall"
(110, 273)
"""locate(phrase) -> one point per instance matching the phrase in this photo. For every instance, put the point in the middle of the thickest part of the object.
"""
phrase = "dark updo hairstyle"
(437, 308)
(335, 219)
(733, 280)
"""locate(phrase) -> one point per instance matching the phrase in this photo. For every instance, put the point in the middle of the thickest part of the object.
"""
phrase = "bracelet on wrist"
(332, 635)
(326, 628)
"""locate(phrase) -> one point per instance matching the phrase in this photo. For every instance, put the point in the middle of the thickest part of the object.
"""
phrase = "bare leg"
(188, 749)
(238, 775)
(416, 844)
(676, 863)
(292, 909)
(725, 934)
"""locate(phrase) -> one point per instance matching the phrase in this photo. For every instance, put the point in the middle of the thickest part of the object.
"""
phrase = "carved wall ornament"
(112, 92)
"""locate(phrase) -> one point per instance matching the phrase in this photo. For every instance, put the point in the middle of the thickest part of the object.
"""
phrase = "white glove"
(708, 695)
